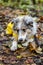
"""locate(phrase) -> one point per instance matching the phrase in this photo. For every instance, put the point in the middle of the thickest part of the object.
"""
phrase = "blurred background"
(22, 3)
(25, 5)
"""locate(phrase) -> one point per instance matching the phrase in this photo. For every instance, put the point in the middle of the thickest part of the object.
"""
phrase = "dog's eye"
(17, 30)
(23, 30)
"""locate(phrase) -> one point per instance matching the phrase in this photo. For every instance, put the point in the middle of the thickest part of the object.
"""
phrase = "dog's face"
(25, 27)
(21, 29)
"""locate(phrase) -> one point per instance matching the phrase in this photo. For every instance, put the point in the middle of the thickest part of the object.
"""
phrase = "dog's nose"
(21, 40)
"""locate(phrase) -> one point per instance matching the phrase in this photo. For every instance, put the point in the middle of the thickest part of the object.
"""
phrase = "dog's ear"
(15, 20)
(28, 20)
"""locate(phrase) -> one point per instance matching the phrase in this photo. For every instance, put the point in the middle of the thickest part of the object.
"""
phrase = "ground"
(20, 56)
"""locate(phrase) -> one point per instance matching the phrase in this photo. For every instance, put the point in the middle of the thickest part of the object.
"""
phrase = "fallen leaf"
(19, 57)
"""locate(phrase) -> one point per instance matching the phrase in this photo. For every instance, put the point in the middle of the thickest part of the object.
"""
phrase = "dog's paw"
(25, 44)
(14, 46)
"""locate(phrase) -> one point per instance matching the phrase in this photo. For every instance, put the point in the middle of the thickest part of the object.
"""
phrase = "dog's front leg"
(14, 45)
(27, 43)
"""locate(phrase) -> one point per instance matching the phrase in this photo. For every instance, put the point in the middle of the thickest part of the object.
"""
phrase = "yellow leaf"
(9, 29)
(39, 50)
(19, 57)
(10, 25)
(20, 46)
(15, 35)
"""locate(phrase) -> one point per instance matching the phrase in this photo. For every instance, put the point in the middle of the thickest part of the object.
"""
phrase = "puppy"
(26, 27)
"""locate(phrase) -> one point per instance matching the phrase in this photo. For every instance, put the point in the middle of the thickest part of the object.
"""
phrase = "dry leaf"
(19, 57)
